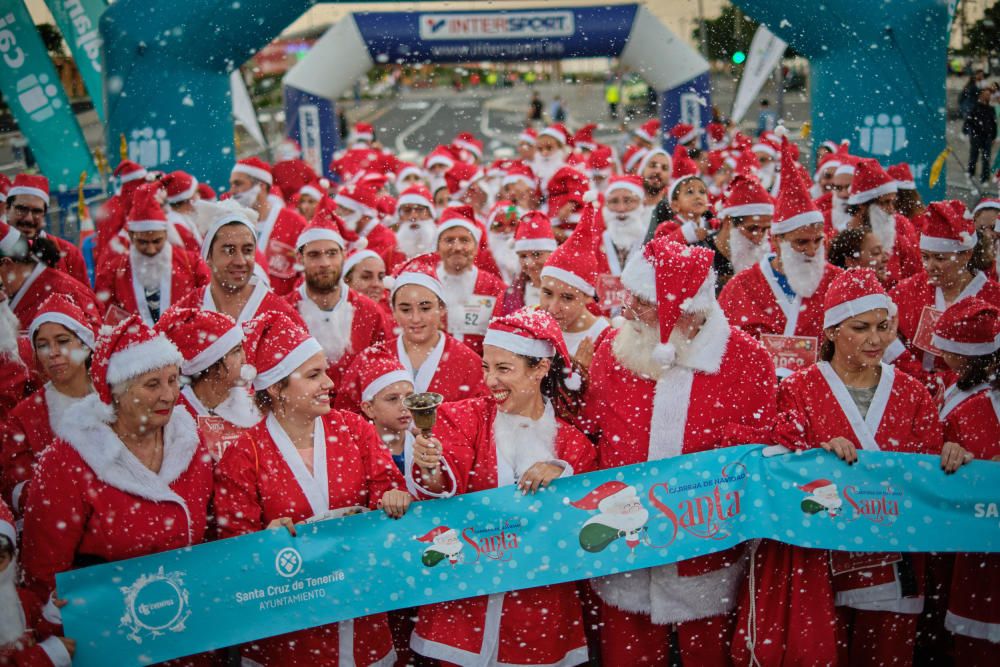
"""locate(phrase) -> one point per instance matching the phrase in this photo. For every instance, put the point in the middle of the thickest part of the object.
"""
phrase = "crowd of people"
(239, 363)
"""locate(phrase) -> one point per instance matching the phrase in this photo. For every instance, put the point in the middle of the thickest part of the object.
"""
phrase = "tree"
(984, 35)
(51, 37)
(731, 32)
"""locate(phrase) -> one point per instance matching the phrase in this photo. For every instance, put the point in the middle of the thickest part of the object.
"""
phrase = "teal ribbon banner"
(222, 593)
(77, 21)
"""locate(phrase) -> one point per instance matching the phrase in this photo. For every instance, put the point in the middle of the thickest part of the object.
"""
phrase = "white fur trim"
(906, 185)
(147, 356)
(625, 185)
(569, 278)
(85, 335)
(56, 652)
(311, 191)
(215, 351)
(7, 529)
(147, 225)
(510, 179)
(970, 627)
(966, 349)
(938, 244)
(10, 240)
(543, 245)
(228, 219)
(436, 160)
(796, 221)
(319, 234)
(693, 134)
(186, 194)
(459, 222)
(134, 175)
(555, 134)
(747, 209)
(350, 202)
(471, 147)
(254, 172)
(842, 311)
(874, 193)
(639, 277)
(288, 364)
(35, 192)
(518, 344)
(894, 351)
(357, 258)
(986, 204)
(417, 278)
(704, 298)
(380, 383)
(764, 148)
(845, 168)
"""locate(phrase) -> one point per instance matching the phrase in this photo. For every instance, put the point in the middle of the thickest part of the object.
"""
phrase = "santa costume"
(484, 448)
(353, 324)
(41, 417)
(263, 477)
(533, 234)
(110, 217)
(648, 398)
(878, 600)
(621, 235)
(134, 283)
(71, 259)
(682, 228)
(361, 200)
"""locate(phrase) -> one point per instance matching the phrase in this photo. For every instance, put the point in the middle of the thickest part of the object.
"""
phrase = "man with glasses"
(837, 218)
(744, 238)
(27, 206)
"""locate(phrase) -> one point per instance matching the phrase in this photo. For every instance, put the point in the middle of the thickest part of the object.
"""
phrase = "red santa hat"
(321, 228)
(62, 309)
(7, 524)
(903, 176)
(420, 270)
(853, 292)
(684, 133)
(206, 192)
(528, 136)
(279, 346)
(4, 187)
(254, 167)
(566, 185)
(30, 184)
(364, 132)
(601, 160)
(828, 161)
(684, 168)
(374, 369)
(584, 137)
(607, 496)
(467, 141)
(575, 262)
(363, 196)
(519, 172)
(829, 145)
(452, 218)
(416, 195)
(746, 197)
(313, 190)
(677, 278)
(503, 214)
(146, 214)
(438, 535)
(870, 182)
(385, 205)
(125, 352)
(407, 169)
(626, 182)
(9, 236)
(632, 157)
(442, 155)
(767, 146)
(649, 131)
(943, 228)
(716, 132)
(986, 205)
(649, 155)
(848, 165)
(970, 327)
(817, 484)
(180, 186)
(558, 132)
(460, 176)
(534, 233)
(203, 337)
(532, 333)
(746, 163)
(128, 172)
(794, 207)
(355, 257)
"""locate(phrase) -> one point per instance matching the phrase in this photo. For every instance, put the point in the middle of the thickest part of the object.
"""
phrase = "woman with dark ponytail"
(28, 276)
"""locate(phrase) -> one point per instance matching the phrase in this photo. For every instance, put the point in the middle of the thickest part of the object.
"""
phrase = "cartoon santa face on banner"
(823, 497)
(620, 514)
(444, 543)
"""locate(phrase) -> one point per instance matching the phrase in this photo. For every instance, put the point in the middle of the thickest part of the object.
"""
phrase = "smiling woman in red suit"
(512, 437)
(305, 461)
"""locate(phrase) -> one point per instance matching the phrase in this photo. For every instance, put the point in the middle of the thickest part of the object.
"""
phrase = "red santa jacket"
(290, 175)
(109, 505)
(277, 236)
(261, 478)
(261, 300)
(975, 425)
(225, 423)
(117, 281)
(754, 302)
(452, 370)
(534, 626)
(71, 261)
(38, 647)
(722, 385)
(486, 285)
(367, 328)
(17, 379)
(382, 241)
(680, 231)
(44, 281)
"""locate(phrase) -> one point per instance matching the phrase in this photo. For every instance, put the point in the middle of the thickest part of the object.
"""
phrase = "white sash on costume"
(954, 397)
(791, 308)
(316, 486)
(195, 402)
(165, 284)
(260, 291)
(422, 378)
(610, 250)
(26, 285)
(864, 428)
(266, 227)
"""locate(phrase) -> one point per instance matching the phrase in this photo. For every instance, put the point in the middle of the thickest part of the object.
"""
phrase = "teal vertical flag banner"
(177, 603)
(32, 90)
(78, 23)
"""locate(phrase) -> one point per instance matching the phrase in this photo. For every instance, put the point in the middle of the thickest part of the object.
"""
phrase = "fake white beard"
(744, 253)
(248, 197)
(839, 216)
(545, 167)
(804, 273)
(634, 345)
(883, 227)
(449, 547)
(9, 327)
(416, 238)
(626, 229)
(767, 173)
(523, 442)
(331, 329)
(352, 220)
(149, 270)
(626, 521)
(12, 623)
(502, 249)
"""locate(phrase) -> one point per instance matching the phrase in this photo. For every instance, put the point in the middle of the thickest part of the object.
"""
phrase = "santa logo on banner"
(620, 514)
(444, 543)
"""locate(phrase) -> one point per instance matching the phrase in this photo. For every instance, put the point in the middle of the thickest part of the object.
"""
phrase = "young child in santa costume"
(301, 462)
(215, 374)
(534, 242)
(688, 197)
(861, 610)
(24, 621)
(63, 337)
(512, 437)
(131, 477)
(968, 335)
(676, 378)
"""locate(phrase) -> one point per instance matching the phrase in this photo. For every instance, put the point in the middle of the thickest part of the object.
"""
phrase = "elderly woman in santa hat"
(863, 610)
(63, 338)
(131, 477)
(512, 437)
(305, 461)
(534, 242)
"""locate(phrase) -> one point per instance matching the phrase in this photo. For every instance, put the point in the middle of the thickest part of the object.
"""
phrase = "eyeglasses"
(841, 188)
(24, 211)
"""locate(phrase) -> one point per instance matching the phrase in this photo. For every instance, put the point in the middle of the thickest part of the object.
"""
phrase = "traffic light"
(739, 57)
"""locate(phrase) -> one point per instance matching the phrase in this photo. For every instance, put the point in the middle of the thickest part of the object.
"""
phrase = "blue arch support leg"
(878, 74)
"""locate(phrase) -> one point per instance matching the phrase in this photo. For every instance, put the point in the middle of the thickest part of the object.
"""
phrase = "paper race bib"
(280, 260)
(610, 292)
(475, 315)
(842, 562)
(791, 353)
(925, 330)
(218, 434)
